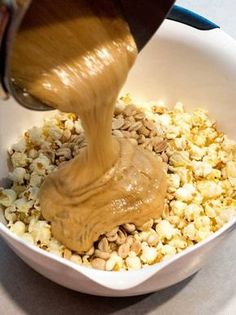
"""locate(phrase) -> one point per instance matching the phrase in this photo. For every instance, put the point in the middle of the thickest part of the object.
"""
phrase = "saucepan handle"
(185, 16)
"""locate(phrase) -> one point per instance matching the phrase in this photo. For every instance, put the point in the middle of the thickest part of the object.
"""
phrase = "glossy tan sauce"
(75, 56)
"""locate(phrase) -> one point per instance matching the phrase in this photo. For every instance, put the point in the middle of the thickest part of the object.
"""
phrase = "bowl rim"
(152, 269)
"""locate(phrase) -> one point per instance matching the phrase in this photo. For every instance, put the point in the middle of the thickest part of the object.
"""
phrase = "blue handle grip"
(190, 18)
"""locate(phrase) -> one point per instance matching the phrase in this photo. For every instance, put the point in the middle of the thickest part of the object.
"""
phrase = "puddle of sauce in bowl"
(75, 55)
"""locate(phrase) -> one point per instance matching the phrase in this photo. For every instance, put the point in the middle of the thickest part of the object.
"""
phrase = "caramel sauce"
(75, 55)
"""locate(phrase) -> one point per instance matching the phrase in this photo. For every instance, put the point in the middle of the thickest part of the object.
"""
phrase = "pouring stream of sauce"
(75, 55)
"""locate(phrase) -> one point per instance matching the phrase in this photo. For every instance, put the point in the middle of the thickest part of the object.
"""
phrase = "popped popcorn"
(20, 146)
(225, 216)
(200, 118)
(192, 211)
(168, 251)
(165, 230)
(228, 145)
(40, 230)
(196, 153)
(7, 197)
(231, 169)
(18, 228)
(55, 132)
(23, 205)
(149, 254)
(202, 233)
(164, 120)
(19, 159)
(210, 211)
(40, 165)
(185, 193)
(190, 231)
(178, 207)
(201, 171)
(18, 175)
(186, 176)
(178, 242)
(133, 262)
(10, 214)
(69, 124)
(209, 189)
(35, 135)
(178, 108)
(202, 221)
(55, 247)
(114, 261)
(199, 140)
(174, 181)
(181, 143)
(33, 193)
(180, 158)
(35, 180)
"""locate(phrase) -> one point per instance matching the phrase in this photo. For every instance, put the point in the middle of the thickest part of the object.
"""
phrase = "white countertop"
(210, 291)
